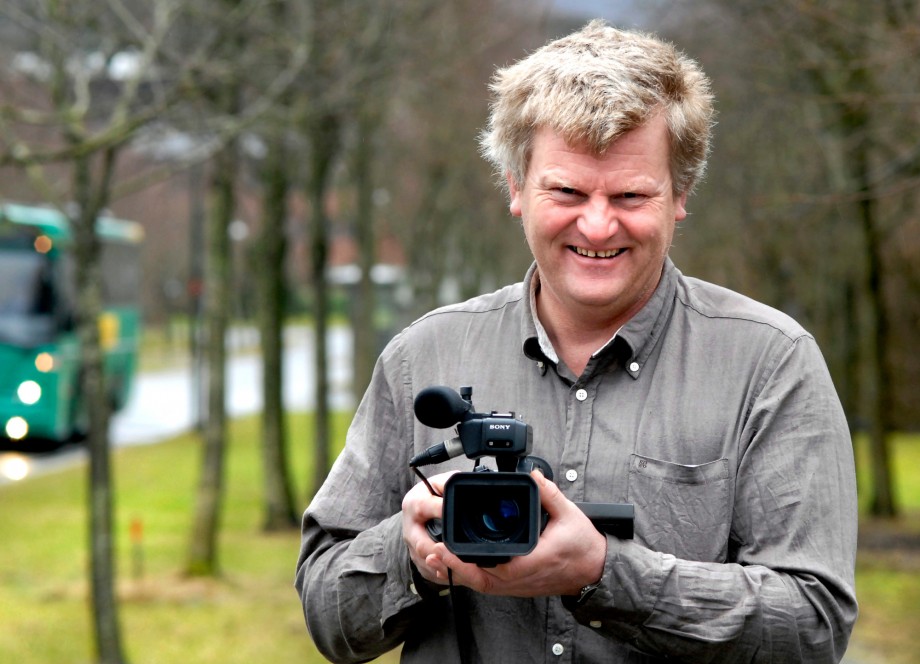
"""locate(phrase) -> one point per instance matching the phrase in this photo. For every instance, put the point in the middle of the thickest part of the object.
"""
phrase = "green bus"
(40, 395)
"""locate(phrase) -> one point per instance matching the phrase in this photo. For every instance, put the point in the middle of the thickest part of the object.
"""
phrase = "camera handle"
(530, 463)
(609, 518)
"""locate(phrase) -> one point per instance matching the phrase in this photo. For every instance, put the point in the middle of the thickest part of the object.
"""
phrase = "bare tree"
(224, 95)
(814, 160)
(382, 49)
(323, 131)
(279, 499)
(277, 179)
(85, 120)
(322, 125)
(240, 89)
(451, 215)
(91, 197)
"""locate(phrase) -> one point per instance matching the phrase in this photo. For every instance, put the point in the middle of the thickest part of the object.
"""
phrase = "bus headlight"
(16, 428)
(29, 392)
(14, 467)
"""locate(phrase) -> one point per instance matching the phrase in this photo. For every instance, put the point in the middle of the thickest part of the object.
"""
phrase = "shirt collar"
(533, 284)
(640, 333)
(536, 342)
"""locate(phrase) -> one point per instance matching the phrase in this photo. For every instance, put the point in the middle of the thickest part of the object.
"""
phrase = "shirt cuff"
(427, 590)
(400, 589)
(632, 580)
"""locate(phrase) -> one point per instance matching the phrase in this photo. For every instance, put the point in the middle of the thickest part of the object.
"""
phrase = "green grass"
(889, 596)
(905, 457)
(888, 579)
(251, 612)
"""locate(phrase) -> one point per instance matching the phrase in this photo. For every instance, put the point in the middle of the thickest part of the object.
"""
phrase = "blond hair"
(593, 86)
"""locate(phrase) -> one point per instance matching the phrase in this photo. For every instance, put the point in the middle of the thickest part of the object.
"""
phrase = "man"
(714, 415)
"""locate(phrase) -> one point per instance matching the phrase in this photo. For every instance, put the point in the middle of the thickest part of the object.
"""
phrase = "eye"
(631, 198)
(566, 194)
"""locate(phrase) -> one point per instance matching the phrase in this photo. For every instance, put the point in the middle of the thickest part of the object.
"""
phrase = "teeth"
(597, 254)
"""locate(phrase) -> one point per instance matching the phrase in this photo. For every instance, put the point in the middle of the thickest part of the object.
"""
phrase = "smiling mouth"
(589, 253)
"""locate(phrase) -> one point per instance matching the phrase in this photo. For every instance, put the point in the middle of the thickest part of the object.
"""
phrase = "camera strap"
(458, 601)
(462, 627)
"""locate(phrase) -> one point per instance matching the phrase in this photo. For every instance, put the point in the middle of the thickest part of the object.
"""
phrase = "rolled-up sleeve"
(353, 573)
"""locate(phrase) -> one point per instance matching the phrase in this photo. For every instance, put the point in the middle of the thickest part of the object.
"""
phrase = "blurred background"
(214, 214)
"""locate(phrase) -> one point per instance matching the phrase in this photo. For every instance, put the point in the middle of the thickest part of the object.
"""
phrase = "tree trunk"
(856, 127)
(196, 292)
(106, 627)
(322, 127)
(364, 328)
(324, 143)
(882, 502)
(279, 501)
(202, 557)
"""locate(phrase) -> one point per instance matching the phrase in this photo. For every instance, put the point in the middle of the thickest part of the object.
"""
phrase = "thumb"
(551, 497)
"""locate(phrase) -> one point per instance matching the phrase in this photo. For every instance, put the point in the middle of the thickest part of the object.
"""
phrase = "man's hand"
(570, 553)
(419, 507)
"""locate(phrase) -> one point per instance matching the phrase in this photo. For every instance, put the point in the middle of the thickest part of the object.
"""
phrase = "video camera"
(489, 516)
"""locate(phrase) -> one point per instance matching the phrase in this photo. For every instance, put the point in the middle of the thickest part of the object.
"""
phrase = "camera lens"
(504, 518)
(492, 515)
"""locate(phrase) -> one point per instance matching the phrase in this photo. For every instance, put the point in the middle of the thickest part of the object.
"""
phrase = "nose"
(598, 220)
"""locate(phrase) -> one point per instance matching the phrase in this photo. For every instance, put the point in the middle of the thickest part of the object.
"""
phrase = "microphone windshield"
(440, 407)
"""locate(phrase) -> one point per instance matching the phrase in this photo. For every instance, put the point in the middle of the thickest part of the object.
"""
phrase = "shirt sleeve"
(353, 573)
(786, 591)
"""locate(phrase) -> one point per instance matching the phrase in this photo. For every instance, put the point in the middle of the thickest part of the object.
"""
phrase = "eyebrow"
(552, 181)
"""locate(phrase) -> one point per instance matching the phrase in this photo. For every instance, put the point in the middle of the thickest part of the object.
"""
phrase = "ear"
(515, 195)
(680, 207)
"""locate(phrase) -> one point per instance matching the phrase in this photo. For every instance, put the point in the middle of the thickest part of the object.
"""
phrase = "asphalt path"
(163, 405)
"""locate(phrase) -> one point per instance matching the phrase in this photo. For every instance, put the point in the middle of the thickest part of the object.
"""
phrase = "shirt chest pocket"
(682, 510)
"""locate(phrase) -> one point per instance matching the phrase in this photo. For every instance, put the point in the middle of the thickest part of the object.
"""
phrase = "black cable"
(462, 627)
(427, 483)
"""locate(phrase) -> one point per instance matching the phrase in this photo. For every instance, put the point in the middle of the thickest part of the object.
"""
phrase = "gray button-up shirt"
(714, 415)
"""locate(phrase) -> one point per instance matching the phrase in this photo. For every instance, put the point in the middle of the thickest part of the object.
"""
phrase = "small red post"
(137, 547)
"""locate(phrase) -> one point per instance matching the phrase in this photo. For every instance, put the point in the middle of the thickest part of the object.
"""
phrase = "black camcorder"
(489, 516)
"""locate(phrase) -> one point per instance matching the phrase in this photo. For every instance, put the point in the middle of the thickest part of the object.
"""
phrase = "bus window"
(26, 297)
(19, 277)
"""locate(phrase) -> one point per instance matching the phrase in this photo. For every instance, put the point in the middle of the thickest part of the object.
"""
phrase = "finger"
(435, 564)
(464, 574)
(438, 481)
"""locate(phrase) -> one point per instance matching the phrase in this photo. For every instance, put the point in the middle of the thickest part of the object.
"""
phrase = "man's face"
(599, 228)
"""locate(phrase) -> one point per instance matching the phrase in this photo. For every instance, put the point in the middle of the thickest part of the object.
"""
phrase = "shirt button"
(634, 366)
(571, 474)
(581, 395)
(596, 624)
(558, 649)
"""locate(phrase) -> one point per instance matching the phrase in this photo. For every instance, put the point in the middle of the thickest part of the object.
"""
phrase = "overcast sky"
(626, 13)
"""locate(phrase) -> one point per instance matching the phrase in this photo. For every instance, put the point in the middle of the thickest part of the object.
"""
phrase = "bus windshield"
(26, 298)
